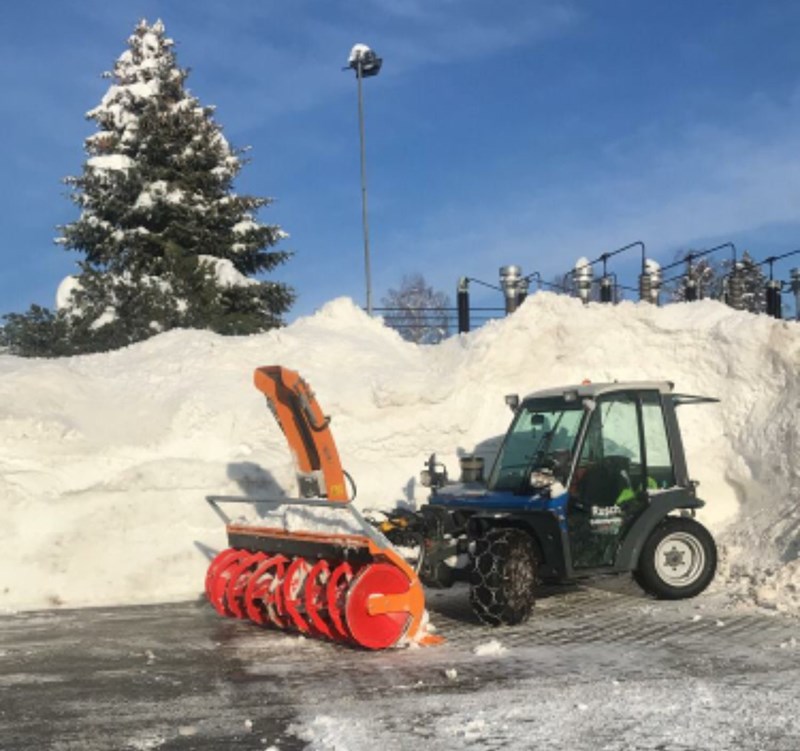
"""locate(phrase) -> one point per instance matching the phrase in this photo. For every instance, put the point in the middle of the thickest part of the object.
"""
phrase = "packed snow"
(489, 648)
(105, 459)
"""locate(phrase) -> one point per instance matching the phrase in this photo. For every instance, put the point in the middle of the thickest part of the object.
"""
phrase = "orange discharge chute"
(349, 587)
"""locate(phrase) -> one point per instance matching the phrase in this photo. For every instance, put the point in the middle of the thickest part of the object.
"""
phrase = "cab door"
(609, 483)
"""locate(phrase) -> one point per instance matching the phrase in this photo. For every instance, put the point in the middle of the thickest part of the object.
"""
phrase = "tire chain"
(488, 595)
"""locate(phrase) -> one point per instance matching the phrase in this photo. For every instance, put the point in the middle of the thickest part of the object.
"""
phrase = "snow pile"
(491, 648)
(105, 459)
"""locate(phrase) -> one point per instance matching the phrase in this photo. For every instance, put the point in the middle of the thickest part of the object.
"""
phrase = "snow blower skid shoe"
(337, 578)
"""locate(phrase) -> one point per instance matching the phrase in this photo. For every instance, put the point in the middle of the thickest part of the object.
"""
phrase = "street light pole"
(364, 219)
(365, 63)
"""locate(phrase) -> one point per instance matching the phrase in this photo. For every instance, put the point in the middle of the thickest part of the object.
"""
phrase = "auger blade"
(263, 589)
(292, 589)
(381, 603)
(238, 578)
(220, 580)
(335, 597)
(314, 597)
(222, 559)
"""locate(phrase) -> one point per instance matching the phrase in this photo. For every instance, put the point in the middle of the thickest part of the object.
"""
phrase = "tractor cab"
(605, 442)
(588, 471)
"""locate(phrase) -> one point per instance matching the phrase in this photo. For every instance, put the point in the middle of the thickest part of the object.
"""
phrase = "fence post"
(606, 289)
(463, 305)
(772, 293)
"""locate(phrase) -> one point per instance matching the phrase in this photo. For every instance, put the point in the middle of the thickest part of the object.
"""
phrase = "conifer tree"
(751, 285)
(705, 275)
(166, 240)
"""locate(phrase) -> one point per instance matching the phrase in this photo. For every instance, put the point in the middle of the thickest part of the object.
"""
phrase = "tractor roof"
(591, 390)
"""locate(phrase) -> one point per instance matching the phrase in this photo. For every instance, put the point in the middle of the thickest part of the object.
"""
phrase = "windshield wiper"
(548, 439)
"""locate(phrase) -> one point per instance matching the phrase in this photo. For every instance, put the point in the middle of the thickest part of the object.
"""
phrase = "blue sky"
(507, 132)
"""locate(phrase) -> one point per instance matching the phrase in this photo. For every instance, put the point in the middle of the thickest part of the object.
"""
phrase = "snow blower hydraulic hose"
(350, 587)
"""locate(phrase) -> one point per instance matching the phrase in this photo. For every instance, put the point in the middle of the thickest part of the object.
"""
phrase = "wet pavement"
(597, 667)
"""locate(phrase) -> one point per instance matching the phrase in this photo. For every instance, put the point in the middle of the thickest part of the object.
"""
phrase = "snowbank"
(105, 459)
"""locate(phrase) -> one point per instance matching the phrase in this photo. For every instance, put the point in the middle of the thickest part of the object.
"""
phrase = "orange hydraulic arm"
(291, 400)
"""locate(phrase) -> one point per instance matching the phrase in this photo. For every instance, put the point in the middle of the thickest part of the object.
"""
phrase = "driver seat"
(603, 483)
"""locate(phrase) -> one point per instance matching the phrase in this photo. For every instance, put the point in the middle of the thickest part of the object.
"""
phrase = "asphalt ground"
(598, 667)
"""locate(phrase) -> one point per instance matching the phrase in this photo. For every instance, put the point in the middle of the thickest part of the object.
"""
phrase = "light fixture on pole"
(365, 63)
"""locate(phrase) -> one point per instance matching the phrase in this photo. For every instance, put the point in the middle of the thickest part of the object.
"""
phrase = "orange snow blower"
(349, 586)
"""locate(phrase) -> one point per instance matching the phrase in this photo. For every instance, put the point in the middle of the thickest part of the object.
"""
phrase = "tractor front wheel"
(678, 560)
(503, 577)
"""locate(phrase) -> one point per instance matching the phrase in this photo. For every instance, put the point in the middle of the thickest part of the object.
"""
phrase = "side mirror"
(541, 478)
(512, 400)
(434, 475)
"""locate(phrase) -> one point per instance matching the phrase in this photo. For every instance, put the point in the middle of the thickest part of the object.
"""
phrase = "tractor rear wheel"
(503, 577)
(678, 560)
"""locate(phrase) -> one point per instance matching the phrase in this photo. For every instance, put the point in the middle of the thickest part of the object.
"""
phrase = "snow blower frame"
(351, 588)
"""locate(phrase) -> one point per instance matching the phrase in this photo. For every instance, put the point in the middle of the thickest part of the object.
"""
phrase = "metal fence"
(742, 287)
(428, 326)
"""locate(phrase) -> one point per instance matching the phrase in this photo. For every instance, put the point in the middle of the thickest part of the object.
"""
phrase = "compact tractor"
(589, 480)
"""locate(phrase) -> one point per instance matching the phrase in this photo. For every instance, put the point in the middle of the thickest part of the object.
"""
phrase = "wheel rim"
(680, 559)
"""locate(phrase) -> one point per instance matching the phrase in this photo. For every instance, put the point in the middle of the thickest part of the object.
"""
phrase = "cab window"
(660, 471)
(610, 466)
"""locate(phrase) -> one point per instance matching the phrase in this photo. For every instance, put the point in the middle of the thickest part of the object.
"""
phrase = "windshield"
(542, 436)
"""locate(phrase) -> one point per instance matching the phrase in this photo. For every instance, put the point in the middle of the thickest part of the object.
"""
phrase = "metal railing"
(428, 325)
(737, 288)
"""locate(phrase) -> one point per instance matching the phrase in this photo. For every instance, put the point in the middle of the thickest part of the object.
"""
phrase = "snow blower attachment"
(349, 586)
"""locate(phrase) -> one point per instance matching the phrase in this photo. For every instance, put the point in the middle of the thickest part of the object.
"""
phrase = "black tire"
(503, 577)
(678, 560)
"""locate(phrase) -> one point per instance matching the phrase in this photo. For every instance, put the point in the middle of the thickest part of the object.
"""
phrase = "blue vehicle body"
(580, 517)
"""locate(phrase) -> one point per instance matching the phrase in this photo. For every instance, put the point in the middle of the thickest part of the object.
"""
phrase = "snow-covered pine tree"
(167, 241)
(706, 275)
(37, 333)
(751, 282)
